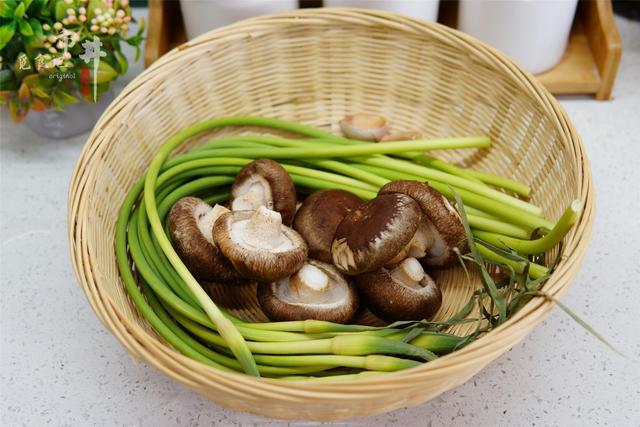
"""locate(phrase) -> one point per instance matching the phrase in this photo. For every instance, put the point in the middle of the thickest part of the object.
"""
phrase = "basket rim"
(195, 374)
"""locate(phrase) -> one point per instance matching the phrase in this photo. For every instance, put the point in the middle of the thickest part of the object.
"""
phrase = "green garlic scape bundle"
(500, 230)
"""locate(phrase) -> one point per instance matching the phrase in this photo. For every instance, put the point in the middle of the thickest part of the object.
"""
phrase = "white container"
(533, 32)
(422, 9)
(201, 16)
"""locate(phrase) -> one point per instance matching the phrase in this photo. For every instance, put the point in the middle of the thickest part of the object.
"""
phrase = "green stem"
(459, 182)
(543, 244)
(536, 271)
(478, 223)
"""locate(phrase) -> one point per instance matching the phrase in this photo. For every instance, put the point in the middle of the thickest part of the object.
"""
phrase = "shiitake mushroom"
(364, 126)
(316, 291)
(318, 217)
(258, 245)
(442, 229)
(403, 292)
(191, 230)
(264, 182)
(375, 233)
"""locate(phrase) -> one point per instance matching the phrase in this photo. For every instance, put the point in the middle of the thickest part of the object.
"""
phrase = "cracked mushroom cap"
(317, 291)
(443, 222)
(374, 233)
(364, 126)
(318, 218)
(264, 182)
(258, 245)
(191, 229)
(404, 292)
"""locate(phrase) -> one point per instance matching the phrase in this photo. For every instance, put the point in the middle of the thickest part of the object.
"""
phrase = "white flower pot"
(532, 32)
(422, 9)
(201, 16)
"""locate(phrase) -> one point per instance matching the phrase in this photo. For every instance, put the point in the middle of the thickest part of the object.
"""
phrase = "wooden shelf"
(589, 65)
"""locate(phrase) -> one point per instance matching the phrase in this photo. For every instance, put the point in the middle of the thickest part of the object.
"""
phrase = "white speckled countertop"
(59, 366)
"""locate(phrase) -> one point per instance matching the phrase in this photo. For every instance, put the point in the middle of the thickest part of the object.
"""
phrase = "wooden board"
(588, 66)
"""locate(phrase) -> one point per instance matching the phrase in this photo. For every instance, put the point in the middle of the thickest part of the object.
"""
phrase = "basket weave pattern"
(315, 66)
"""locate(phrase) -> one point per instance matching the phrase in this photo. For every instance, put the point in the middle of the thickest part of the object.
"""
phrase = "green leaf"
(60, 10)
(6, 33)
(8, 80)
(36, 26)
(23, 66)
(106, 73)
(93, 4)
(62, 98)
(487, 281)
(6, 8)
(25, 28)
(27, 3)
(122, 61)
(19, 11)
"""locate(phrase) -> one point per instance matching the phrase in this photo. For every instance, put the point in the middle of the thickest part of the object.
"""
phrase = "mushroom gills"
(263, 230)
(206, 216)
(421, 244)
(252, 194)
(316, 291)
(310, 285)
(404, 292)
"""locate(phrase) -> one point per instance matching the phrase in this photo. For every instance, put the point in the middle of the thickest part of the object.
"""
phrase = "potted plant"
(55, 53)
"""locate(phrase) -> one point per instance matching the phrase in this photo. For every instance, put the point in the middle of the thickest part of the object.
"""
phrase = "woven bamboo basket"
(314, 66)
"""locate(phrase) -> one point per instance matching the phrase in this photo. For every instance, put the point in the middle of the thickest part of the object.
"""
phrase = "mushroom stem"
(206, 221)
(309, 281)
(264, 229)
(251, 199)
(409, 272)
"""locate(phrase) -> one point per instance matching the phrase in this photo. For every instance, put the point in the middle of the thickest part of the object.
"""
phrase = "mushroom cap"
(189, 219)
(401, 136)
(318, 218)
(275, 184)
(364, 126)
(244, 246)
(391, 299)
(446, 225)
(337, 303)
(374, 233)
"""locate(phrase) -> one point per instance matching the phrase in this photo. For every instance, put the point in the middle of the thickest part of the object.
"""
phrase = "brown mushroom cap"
(191, 229)
(405, 292)
(258, 245)
(364, 126)
(318, 218)
(446, 227)
(371, 235)
(317, 291)
(264, 182)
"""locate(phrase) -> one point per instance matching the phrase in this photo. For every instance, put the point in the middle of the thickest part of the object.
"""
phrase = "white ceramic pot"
(422, 9)
(201, 16)
(532, 32)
